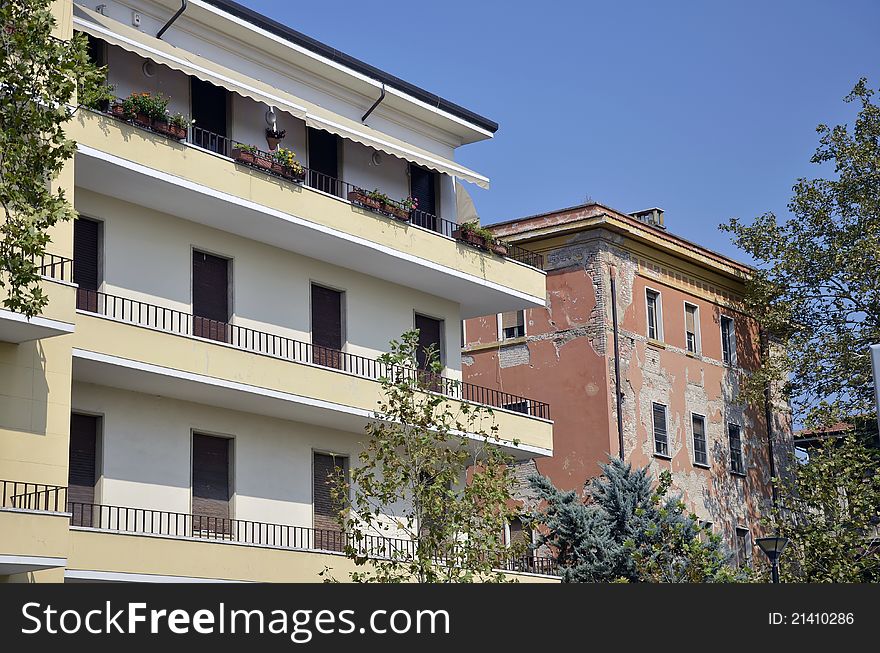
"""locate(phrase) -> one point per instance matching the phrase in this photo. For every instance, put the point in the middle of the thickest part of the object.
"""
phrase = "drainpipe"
(173, 18)
(617, 390)
(375, 104)
(768, 409)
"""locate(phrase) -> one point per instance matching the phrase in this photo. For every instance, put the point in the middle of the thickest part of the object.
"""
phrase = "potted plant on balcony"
(173, 125)
(96, 94)
(250, 155)
(285, 164)
(473, 234)
(403, 209)
(274, 136)
(144, 108)
(370, 199)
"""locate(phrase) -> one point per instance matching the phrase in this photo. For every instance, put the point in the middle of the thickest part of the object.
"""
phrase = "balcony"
(319, 216)
(156, 350)
(33, 527)
(56, 319)
(152, 534)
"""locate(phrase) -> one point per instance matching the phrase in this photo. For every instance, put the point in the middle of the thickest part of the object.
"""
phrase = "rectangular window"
(699, 427)
(728, 341)
(661, 439)
(513, 325)
(87, 262)
(743, 547)
(519, 534)
(655, 329)
(517, 406)
(327, 326)
(692, 328)
(210, 296)
(324, 161)
(734, 437)
(706, 529)
(423, 189)
(325, 466)
(210, 483)
(209, 110)
(430, 339)
(82, 470)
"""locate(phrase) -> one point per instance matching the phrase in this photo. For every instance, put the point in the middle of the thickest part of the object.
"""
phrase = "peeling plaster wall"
(570, 364)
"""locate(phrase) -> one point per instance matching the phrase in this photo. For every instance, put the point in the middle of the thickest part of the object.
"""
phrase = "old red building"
(683, 348)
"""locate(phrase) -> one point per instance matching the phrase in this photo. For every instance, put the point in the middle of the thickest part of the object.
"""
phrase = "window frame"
(658, 314)
(728, 343)
(657, 453)
(705, 440)
(441, 354)
(698, 345)
(741, 458)
(500, 334)
(747, 548)
(343, 310)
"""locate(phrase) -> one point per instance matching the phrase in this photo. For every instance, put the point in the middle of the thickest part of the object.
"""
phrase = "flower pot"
(273, 142)
(397, 212)
(174, 131)
(277, 168)
(357, 197)
(293, 174)
(243, 156)
(262, 162)
(470, 238)
(103, 105)
(500, 249)
(118, 111)
(143, 120)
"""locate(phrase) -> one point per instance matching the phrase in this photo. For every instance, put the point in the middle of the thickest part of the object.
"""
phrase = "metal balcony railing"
(56, 267)
(221, 529)
(325, 183)
(186, 324)
(32, 496)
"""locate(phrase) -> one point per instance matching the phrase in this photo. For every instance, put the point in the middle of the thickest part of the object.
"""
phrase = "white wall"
(146, 461)
(125, 71)
(148, 257)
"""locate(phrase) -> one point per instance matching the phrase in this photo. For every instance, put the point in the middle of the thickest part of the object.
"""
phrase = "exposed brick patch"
(513, 355)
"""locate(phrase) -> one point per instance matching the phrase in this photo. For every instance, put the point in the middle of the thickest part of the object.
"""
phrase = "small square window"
(512, 324)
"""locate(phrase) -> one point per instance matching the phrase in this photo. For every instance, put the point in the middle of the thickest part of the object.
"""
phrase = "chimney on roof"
(652, 216)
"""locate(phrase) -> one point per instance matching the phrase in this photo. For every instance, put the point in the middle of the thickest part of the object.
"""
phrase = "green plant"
(473, 227)
(179, 120)
(146, 104)
(95, 93)
(413, 483)
(252, 149)
(379, 196)
(39, 78)
(287, 158)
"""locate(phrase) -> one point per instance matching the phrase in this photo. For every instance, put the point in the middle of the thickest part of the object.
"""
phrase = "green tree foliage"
(38, 81)
(829, 508)
(622, 530)
(410, 483)
(817, 286)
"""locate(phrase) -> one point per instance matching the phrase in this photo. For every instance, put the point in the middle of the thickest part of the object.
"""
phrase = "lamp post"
(772, 547)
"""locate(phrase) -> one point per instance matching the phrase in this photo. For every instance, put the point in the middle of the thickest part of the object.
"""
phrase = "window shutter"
(690, 319)
(423, 188)
(326, 317)
(82, 468)
(327, 534)
(210, 480)
(210, 293)
(86, 238)
(661, 442)
(429, 334)
(511, 319)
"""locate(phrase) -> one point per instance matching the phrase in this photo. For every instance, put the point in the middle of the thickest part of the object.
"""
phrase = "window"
(210, 296)
(661, 440)
(512, 325)
(430, 339)
(209, 110)
(699, 429)
(324, 467)
(327, 331)
(734, 437)
(324, 161)
(655, 315)
(87, 262)
(210, 483)
(692, 328)
(518, 406)
(728, 341)
(82, 470)
(743, 547)
(706, 529)
(518, 534)
(423, 189)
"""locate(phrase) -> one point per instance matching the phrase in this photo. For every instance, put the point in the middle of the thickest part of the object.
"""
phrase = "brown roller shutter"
(327, 532)
(86, 238)
(210, 483)
(429, 334)
(210, 293)
(82, 468)
(327, 326)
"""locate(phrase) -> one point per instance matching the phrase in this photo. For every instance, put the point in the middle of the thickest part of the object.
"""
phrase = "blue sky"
(706, 109)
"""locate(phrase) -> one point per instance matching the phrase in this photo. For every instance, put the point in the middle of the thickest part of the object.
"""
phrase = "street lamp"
(772, 547)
